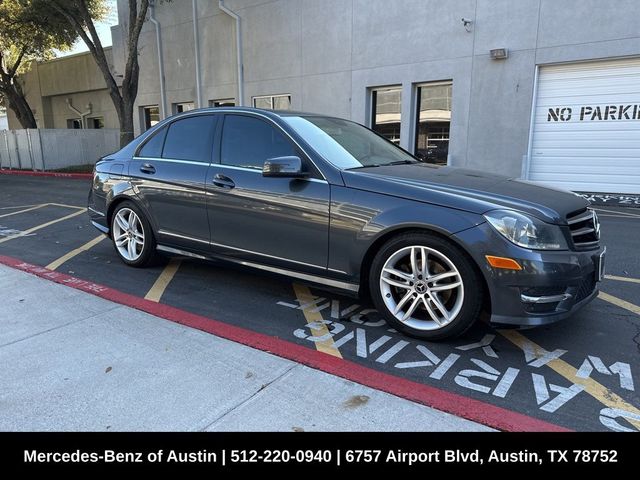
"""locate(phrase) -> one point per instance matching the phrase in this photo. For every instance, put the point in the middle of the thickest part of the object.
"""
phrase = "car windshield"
(346, 144)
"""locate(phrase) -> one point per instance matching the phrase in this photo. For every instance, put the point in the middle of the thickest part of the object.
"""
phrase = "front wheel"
(425, 286)
(132, 235)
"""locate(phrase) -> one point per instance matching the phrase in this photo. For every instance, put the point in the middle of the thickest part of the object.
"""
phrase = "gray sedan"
(330, 202)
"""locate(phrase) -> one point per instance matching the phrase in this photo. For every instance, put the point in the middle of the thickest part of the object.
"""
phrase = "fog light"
(503, 262)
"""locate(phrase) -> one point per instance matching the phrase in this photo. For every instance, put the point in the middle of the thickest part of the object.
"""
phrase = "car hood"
(465, 189)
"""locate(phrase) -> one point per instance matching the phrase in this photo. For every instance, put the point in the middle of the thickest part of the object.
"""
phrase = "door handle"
(223, 181)
(148, 168)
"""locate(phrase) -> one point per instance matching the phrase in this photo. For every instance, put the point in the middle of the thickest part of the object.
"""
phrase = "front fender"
(360, 220)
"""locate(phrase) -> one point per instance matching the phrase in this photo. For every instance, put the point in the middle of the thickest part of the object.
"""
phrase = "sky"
(103, 29)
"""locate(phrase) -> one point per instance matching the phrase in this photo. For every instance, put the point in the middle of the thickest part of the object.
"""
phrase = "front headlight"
(526, 231)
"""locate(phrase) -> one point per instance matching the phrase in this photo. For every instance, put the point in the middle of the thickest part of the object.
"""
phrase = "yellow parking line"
(161, 284)
(304, 297)
(622, 279)
(65, 258)
(593, 388)
(24, 211)
(620, 303)
(44, 225)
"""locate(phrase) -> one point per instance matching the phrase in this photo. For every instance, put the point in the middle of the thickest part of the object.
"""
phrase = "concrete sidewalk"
(73, 361)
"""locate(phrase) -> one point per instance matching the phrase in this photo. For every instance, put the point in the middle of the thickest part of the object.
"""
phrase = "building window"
(273, 102)
(150, 116)
(226, 102)
(433, 122)
(95, 122)
(183, 107)
(386, 109)
(74, 123)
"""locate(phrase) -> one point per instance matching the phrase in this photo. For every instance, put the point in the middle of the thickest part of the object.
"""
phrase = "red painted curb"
(453, 403)
(30, 173)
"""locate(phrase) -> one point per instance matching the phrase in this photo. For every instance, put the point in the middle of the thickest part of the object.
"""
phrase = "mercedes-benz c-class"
(328, 201)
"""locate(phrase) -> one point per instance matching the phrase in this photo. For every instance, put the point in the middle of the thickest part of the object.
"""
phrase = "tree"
(27, 34)
(81, 14)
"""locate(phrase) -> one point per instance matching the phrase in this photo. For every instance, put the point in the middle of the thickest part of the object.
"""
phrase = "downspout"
(236, 17)
(196, 46)
(83, 119)
(163, 95)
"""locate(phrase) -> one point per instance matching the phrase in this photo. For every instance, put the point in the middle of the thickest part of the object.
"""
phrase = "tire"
(144, 244)
(455, 286)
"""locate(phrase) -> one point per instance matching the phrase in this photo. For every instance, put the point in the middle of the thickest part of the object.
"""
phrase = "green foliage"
(29, 30)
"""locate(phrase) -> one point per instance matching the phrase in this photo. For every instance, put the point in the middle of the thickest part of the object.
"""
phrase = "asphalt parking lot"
(580, 374)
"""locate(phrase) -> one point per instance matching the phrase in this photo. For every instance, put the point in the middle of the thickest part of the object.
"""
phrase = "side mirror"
(290, 167)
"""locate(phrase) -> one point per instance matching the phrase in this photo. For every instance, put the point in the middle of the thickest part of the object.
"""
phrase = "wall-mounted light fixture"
(499, 53)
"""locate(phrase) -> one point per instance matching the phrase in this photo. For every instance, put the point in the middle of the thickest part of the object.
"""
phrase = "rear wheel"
(425, 286)
(132, 235)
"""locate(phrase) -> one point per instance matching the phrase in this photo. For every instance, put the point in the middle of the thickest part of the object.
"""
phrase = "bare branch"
(12, 71)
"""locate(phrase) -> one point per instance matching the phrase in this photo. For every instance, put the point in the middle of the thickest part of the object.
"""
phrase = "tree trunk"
(18, 103)
(126, 123)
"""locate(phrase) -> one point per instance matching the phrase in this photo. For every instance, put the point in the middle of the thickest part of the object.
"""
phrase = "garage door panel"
(584, 170)
(588, 69)
(587, 127)
(588, 152)
(593, 153)
(602, 87)
(591, 143)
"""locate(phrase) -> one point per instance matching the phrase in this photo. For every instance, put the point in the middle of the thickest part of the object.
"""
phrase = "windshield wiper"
(402, 162)
(366, 166)
(399, 162)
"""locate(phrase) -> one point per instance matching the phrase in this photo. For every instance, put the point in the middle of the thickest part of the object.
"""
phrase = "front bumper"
(551, 286)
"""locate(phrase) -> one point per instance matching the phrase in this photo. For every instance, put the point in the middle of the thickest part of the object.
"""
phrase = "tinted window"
(153, 146)
(190, 139)
(248, 142)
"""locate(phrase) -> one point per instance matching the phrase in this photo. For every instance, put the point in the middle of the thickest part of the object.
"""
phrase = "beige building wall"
(51, 86)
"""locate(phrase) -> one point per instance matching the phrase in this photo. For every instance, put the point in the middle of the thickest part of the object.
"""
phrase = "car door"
(169, 172)
(271, 220)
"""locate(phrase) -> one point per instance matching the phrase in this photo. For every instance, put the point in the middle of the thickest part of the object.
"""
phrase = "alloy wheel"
(421, 287)
(128, 234)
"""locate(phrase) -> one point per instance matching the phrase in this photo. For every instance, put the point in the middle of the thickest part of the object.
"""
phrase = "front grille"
(543, 291)
(585, 229)
(586, 288)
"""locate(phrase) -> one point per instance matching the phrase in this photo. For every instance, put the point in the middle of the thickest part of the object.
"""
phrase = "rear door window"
(190, 139)
(153, 146)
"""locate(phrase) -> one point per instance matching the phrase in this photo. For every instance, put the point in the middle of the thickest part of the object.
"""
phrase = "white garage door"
(586, 132)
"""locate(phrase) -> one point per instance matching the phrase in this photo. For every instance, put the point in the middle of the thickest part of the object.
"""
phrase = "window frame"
(73, 122)
(176, 105)
(271, 98)
(165, 127)
(93, 120)
(373, 95)
(143, 109)
(416, 120)
(314, 172)
(212, 103)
